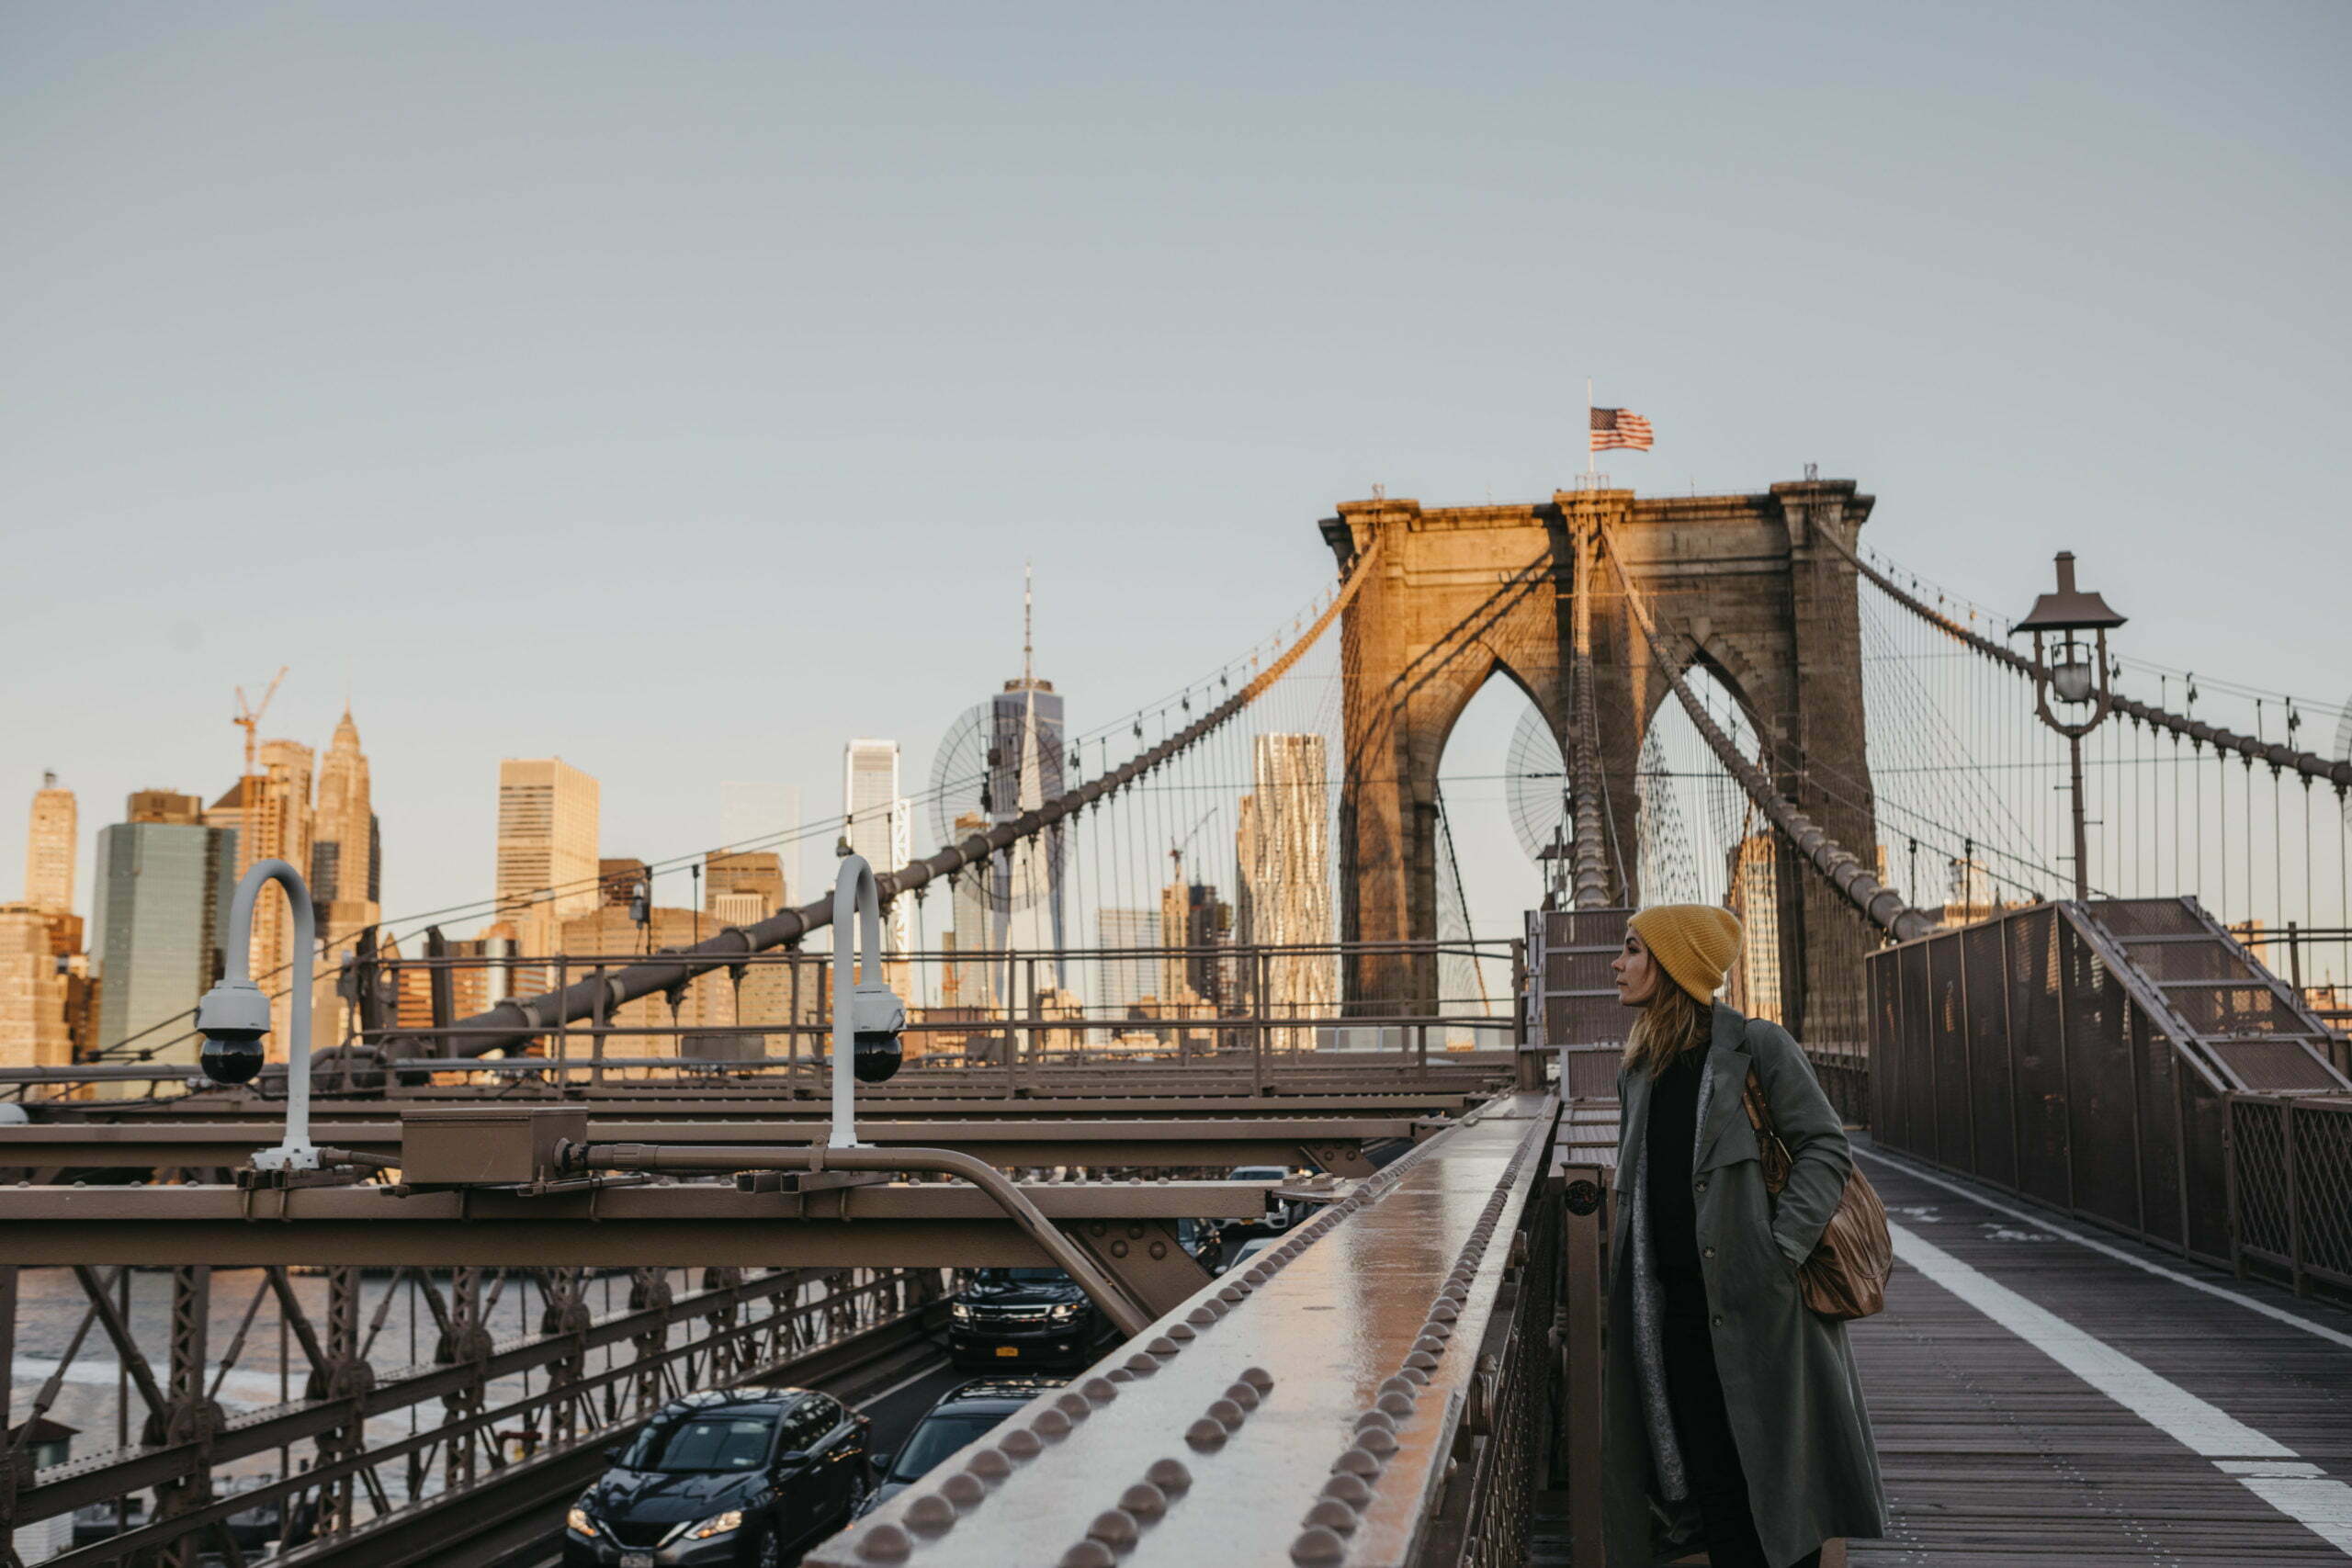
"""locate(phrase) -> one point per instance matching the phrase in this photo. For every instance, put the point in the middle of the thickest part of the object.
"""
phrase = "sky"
(680, 388)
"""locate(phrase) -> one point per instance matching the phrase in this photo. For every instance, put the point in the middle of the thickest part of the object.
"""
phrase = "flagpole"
(1587, 427)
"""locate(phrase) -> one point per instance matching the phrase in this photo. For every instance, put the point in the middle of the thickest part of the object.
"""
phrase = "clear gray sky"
(679, 387)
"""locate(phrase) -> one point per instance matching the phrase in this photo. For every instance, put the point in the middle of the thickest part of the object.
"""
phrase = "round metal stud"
(1332, 1514)
(1051, 1424)
(965, 1490)
(1349, 1489)
(1181, 1332)
(1395, 1405)
(886, 1543)
(990, 1465)
(1100, 1391)
(1316, 1547)
(1144, 1500)
(1089, 1553)
(1422, 1360)
(1204, 1434)
(1356, 1461)
(1242, 1393)
(1171, 1476)
(1377, 1441)
(931, 1514)
(1200, 1316)
(1258, 1378)
(1074, 1404)
(1226, 1414)
(1380, 1417)
(1115, 1527)
(1023, 1444)
(1163, 1348)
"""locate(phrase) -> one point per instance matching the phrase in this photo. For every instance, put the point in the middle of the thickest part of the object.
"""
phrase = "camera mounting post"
(234, 1014)
(868, 1015)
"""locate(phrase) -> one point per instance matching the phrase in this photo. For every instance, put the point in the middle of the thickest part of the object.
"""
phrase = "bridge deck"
(2008, 1437)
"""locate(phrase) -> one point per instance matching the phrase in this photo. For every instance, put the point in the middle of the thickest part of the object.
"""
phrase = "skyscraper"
(971, 980)
(1285, 855)
(546, 847)
(269, 812)
(878, 824)
(160, 903)
(1754, 986)
(50, 848)
(38, 985)
(346, 871)
(1122, 982)
(1025, 770)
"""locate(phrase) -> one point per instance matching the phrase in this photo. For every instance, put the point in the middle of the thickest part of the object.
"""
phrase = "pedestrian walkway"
(2044, 1393)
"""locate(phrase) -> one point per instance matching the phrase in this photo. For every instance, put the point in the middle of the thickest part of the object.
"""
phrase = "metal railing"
(2290, 1189)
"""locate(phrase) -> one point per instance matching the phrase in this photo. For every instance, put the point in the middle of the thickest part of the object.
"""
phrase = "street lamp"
(868, 1015)
(2076, 674)
(235, 1015)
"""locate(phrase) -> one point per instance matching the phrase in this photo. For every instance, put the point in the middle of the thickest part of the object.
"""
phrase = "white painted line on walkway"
(2120, 1255)
(2322, 1504)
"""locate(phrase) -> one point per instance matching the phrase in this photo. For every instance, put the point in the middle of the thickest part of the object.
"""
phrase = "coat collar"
(1727, 1064)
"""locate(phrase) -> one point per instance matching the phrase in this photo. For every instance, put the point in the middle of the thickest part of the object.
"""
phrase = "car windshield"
(1024, 1276)
(938, 1436)
(676, 1444)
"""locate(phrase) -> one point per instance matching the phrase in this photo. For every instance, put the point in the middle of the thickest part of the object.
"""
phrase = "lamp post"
(868, 1015)
(2076, 674)
(235, 1015)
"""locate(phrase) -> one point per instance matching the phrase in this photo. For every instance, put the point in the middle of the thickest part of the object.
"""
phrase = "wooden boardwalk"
(1995, 1452)
(2045, 1393)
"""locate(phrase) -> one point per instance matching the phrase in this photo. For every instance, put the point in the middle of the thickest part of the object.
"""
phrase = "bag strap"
(1758, 1108)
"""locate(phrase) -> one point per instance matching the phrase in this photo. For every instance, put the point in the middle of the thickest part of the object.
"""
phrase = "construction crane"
(249, 720)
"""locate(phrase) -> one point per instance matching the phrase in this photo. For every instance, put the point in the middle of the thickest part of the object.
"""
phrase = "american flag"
(1620, 427)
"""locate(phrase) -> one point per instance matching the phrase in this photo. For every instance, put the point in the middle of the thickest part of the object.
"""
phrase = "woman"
(1733, 1421)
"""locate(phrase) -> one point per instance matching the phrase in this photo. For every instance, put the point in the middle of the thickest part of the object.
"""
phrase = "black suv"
(964, 1414)
(740, 1477)
(1025, 1316)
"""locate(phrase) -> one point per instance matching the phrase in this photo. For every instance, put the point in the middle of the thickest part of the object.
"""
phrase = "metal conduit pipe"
(1130, 1317)
(2284, 758)
(525, 1017)
(1880, 904)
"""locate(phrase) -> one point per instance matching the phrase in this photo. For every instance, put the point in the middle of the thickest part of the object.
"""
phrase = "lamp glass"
(2071, 679)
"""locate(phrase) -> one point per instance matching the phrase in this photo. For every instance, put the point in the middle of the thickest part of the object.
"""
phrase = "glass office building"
(162, 898)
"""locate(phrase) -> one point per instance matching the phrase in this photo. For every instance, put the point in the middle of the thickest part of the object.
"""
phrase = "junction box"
(474, 1145)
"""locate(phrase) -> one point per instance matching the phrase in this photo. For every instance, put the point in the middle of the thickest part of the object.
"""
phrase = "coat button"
(1702, 1187)
(1719, 1320)
(1706, 1252)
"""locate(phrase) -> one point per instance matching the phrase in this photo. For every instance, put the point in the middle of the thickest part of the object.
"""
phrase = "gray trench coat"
(1796, 1406)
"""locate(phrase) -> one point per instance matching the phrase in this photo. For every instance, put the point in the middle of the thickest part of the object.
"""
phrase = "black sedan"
(964, 1414)
(741, 1477)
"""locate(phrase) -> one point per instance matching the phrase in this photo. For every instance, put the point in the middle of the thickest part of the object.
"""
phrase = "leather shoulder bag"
(1846, 1276)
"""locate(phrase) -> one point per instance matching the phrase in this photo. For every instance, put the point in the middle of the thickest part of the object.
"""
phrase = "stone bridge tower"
(1739, 583)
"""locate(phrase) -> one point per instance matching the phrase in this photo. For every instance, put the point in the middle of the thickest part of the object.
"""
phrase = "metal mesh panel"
(1575, 971)
(2249, 1008)
(1911, 1116)
(2102, 1104)
(1518, 1411)
(1879, 972)
(2259, 1129)
(2146, 917)
(2272, 1066)
(2159, 1070)
(2323, 1135)
(2208, 1174)
(1592, 1072)
(1988, 1054)
(2035, 1047)
(2187, 961)
(1947, 1042)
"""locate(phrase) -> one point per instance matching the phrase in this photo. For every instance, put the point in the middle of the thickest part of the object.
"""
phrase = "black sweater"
(1673, 1135)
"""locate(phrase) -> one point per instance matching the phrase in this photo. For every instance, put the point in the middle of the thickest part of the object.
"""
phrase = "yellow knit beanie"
(1695, 943)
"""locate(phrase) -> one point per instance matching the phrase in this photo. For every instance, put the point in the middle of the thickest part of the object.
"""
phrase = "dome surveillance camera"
(233, 1018)
(876, 1018)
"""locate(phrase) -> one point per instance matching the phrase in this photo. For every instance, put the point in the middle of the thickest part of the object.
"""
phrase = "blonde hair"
(1672, 1021)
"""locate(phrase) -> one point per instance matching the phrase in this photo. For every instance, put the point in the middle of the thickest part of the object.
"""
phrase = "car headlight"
(579, 1523)
(717, 1524)
(959, 1311)
(1064, 1310)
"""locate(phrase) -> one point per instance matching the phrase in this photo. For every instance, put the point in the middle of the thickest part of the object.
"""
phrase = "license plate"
(637, 1560)
(1002, 1351)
